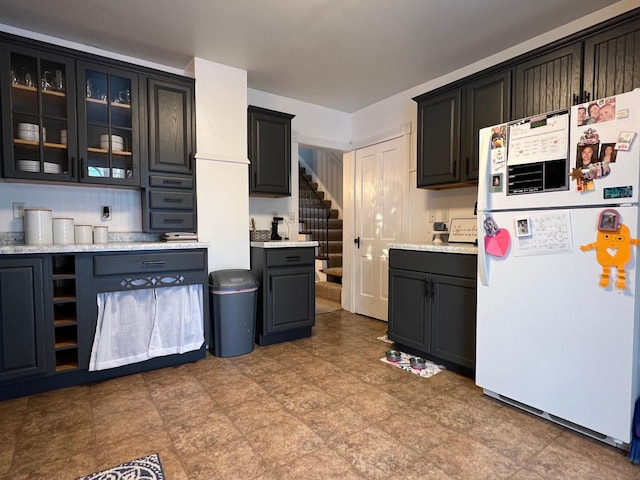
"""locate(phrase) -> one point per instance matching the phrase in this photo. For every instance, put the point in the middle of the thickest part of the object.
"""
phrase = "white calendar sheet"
(550, 233)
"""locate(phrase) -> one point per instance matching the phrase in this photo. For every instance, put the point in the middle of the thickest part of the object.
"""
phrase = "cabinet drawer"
(170, 182)
(290, 256)
(170, 221)
(148, 262)
(171, 199)
(455, 264)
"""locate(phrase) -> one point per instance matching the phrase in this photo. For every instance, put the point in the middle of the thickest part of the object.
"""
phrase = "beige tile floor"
(318, 408)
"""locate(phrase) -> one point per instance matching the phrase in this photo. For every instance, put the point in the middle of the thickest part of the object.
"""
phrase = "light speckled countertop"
(107, 247)
(464, 248)
(284, 244)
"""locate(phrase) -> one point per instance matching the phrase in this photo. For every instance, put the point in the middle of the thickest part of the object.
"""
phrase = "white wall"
(222, 165)
(312, 126)
(381, 120)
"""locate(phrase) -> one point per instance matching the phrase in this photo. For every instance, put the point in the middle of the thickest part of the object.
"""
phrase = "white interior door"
(378, 222)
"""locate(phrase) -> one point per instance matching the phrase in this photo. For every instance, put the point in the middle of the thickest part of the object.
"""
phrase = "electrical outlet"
(18, 209)
(292, 216)
(106, 213)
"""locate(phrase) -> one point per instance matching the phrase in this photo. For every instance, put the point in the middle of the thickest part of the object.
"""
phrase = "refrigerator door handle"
(483, 268)
(484, 168)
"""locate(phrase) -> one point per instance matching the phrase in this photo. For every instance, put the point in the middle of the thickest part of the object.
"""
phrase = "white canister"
(101, 234)
(63, 231)
(38, 226)
(83, 234)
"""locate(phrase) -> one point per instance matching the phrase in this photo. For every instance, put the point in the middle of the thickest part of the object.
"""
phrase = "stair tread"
(333, 271)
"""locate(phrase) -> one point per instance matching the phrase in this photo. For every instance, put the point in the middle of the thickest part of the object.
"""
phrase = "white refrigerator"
(558, 317)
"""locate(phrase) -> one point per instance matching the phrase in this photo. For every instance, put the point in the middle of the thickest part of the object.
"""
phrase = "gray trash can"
(234, 299)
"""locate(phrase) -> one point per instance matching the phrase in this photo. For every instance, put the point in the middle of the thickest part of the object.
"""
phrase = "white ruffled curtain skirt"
(134, 326)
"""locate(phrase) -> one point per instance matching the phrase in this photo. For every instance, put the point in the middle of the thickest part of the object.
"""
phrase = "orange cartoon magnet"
(497, 240)
(613, 247)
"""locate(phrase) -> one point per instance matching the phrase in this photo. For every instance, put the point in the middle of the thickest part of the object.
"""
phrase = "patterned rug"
(429, 370)
(145, 468)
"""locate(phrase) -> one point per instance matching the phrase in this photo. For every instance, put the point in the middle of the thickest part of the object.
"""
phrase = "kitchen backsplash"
(83, 204)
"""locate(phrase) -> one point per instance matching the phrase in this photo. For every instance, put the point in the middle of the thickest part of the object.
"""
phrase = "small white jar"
(83, 234)
(101, 234)
(63, 231)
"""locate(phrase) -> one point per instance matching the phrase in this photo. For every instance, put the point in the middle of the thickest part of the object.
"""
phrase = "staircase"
(320, 222)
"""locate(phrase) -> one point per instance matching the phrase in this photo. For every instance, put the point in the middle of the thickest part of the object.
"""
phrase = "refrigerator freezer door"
(548, 336)
(614, 177)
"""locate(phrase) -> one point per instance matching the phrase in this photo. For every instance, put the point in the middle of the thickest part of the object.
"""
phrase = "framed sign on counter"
(463, 230)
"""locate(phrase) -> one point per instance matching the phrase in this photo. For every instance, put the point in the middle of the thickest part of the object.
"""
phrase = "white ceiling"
(342, 54)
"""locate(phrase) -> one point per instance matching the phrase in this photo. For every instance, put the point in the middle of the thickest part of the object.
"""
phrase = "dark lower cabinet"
(49, 312)
(432, 306)
(286, 297)
(23, 335)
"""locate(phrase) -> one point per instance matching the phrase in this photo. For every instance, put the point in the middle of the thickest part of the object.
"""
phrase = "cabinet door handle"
(172, 182)
(172, 200)
(73, 167)
(587, 96)
(576, 99)
(357, 241)
(293, 258)
(173, 220)
(190, 161)
(426, 287)
(154, 262)
(455, 168)
(81, 167)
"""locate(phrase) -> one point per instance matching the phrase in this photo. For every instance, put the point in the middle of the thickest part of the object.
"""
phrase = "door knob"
(357, 241)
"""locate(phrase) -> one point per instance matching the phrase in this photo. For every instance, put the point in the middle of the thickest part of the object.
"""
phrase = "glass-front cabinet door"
(108, 125)
(39, 121)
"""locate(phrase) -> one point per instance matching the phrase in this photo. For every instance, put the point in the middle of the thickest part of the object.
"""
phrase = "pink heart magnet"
(499, 244)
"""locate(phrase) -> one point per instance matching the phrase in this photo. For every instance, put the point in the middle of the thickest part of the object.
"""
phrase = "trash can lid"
(232, 279)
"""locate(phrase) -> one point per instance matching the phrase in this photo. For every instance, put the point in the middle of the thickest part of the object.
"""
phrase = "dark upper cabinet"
(169, 195)
(612, 61)
(548, 82)
(269, 151)
(38, 114)
(448, 124)
(108, 125)
(171, 129)
(439, 138)
(486, 102)
(23, 336)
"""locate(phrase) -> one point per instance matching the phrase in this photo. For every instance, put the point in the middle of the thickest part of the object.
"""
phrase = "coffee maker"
(274, 228)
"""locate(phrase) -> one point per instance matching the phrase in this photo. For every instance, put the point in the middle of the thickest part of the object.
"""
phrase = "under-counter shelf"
(65, 316)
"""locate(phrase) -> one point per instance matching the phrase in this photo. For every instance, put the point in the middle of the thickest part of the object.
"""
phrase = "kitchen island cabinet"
(286, 296)
(48, 308)
(432, 306)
